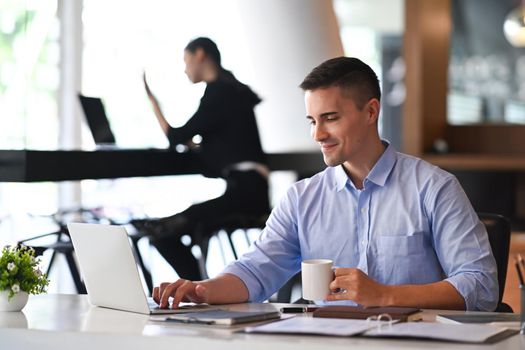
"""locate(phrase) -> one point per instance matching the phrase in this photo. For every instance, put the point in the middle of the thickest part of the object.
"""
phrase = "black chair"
(498, 229)
(229, 226)
(205, 232)
(284, 295)
(135, 237)
(61, 242)
(61, 245)
(201, 238)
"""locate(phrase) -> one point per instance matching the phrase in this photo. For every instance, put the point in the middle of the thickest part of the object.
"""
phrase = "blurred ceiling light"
(514, 27)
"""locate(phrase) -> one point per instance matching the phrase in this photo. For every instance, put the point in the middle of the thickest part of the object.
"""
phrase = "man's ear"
(200, 54)
(373, 106)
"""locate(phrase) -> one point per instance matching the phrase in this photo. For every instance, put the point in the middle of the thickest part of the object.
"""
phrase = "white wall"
(286, 40)
(383, 16)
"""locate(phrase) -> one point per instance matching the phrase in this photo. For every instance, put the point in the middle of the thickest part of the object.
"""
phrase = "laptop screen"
(97, 120)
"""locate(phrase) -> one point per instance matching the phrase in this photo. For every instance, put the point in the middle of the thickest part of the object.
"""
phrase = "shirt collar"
(383, 166)
(379, 173)
(340, 178)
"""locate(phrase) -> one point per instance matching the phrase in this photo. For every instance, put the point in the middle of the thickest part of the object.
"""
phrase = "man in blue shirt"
(401, 230)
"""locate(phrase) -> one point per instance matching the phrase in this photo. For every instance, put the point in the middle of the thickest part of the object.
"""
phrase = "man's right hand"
(156, 107)
(181, 290)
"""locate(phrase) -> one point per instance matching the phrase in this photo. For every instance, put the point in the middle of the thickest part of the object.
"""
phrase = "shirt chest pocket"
(400, 245)
(406, 259)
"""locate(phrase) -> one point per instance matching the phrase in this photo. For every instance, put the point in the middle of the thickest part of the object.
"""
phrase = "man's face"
(338, 125)
(193, 64)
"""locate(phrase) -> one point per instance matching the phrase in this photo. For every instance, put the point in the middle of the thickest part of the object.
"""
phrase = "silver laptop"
(110, 271)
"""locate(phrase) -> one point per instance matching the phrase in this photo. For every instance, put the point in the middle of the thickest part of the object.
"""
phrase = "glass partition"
(29, 78)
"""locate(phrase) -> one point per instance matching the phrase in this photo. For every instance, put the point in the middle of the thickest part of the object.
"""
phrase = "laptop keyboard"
(189, 307)
(152, 304)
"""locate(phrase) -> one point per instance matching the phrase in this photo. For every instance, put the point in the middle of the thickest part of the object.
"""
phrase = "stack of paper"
(472, 333)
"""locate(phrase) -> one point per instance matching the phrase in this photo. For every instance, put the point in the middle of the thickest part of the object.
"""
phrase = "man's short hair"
(348, 73)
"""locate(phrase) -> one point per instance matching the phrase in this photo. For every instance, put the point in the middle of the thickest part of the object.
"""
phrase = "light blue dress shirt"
(410, 224)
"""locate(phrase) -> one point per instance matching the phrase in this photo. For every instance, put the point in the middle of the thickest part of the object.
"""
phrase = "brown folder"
(358, 312)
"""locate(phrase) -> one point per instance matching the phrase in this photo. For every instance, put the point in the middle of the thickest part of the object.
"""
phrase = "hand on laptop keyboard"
(181, 291)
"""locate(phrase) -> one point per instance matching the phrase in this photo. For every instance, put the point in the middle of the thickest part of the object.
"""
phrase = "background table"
(34, 165)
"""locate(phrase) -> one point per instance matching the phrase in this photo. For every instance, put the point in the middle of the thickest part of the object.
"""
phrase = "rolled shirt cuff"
(255, 290)
(478, 296)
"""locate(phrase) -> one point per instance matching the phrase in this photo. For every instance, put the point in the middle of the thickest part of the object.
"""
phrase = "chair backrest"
(498, 229)
(206, 230)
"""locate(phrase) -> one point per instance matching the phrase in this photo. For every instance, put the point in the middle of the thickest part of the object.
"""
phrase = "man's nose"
(319, 133)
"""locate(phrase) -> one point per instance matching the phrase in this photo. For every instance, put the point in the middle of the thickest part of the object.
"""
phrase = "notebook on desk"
(500, 319)
(478, 317)
(110, 271)
(97, 121)
(223, 317)
(362, 313)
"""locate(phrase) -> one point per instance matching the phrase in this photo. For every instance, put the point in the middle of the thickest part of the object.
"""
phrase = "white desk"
(57, 321)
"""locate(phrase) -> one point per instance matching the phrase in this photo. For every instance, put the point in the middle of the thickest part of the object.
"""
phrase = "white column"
(70, 16)
(287, 38)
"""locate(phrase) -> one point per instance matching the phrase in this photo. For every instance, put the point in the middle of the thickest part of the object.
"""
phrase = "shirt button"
(363, 210)
(363, 242)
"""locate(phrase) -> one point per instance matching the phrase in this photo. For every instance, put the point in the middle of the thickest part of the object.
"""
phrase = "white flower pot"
(17, 302)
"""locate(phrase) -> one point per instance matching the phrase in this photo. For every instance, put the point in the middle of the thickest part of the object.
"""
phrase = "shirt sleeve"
(209, 116)
(462, 246)
(275, 256)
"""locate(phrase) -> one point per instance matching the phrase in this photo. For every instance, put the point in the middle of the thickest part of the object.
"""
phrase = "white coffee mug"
(316, 277)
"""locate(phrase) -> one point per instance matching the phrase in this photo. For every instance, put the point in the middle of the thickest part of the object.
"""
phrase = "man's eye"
(311, 122)
(332, 117)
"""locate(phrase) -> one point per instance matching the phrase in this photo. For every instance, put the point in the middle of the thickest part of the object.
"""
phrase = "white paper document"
(471, 333)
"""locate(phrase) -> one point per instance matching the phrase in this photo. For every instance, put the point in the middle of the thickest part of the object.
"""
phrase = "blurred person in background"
(230, 149)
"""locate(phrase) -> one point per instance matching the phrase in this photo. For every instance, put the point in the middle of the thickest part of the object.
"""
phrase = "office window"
(29, 77)
(29, 57)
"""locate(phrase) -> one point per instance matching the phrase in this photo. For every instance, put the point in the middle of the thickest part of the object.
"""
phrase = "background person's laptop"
(97, 120)
(110, 271)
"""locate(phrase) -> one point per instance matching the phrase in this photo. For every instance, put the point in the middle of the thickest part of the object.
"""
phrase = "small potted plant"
(19, 277)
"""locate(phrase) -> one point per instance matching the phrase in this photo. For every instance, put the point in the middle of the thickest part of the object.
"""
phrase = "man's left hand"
(354, 284)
